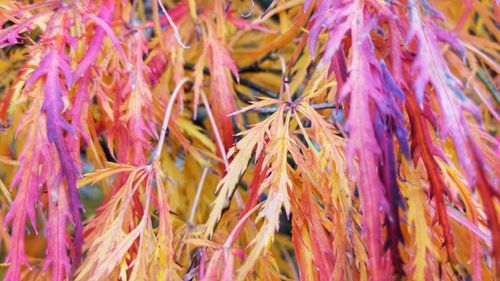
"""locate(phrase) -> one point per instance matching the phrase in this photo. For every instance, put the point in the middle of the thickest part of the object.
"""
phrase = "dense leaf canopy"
(249, 140)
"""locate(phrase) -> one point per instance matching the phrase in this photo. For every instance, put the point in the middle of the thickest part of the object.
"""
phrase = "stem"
(284, 81)
(236, 229)
(197, 196)
(157, 151)
(220, 144)
(242, 81)
(218, 138)
(258, 88)
(317, 106)
(174, 27)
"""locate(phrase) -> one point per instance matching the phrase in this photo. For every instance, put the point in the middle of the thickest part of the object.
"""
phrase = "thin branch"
(317, 106)
(166, 118)
(197, 196)
(236, 230)
(256, 68)
(242, 81)
(285, 86)
(258, 88)
(243, 97)
(174, 27)
(218, 137)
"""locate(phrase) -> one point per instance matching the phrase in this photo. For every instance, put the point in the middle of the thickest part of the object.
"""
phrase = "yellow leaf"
(114, 168)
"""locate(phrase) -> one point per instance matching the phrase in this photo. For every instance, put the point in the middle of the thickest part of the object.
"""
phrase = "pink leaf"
(57, 257)
(105, 13)
(52, 64)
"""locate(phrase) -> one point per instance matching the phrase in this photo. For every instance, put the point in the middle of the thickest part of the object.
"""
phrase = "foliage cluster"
(242, 140)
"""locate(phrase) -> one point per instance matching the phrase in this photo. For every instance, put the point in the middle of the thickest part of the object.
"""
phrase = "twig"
(174, 27)
(197, 196)
(256, 68)
(258, 88)
(244, 82)
(166, 118)
(285, 86)
(236, 230)
(218, 139)
(317, 106)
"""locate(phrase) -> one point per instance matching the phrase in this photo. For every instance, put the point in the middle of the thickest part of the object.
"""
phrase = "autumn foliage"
(249, 140)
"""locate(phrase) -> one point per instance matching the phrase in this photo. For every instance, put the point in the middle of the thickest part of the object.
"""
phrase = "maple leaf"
(56, 230)
(330, 159)
(51, 66)
(137, 105)
(278, 184)
(420, 145)
(337, 17)
(225, 254)
(432, 68)
(111, 243)
(105, 14)
(30, 181)
(416, 216)
(362, 138)
(221, 99)
(251, 144)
